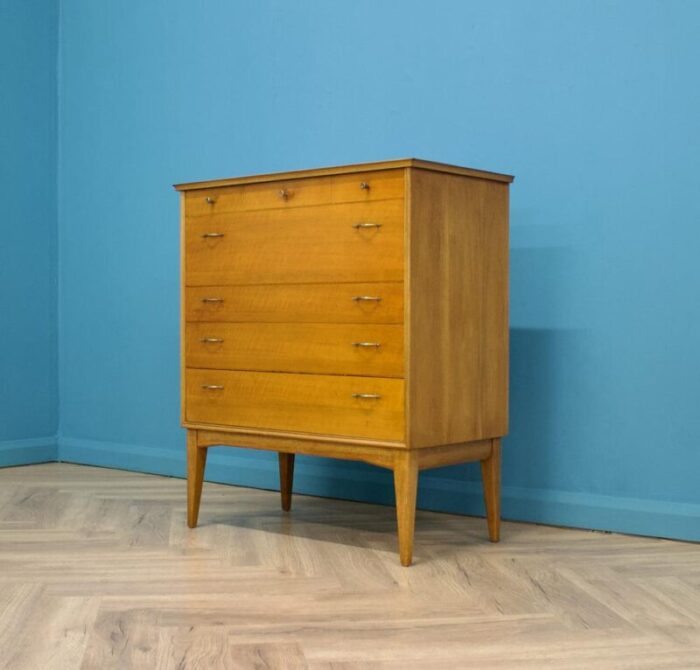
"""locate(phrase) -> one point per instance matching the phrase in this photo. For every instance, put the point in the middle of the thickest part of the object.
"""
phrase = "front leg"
(196, 461)
(405, 488)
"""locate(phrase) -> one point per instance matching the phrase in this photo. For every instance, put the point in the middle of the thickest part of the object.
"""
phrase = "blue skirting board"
(361, 482)
(28, 451)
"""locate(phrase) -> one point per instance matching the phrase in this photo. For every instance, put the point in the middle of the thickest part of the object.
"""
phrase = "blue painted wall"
(28, 345)
(592, 105)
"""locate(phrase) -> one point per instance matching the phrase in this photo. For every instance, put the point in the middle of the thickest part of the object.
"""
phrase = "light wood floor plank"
(98, 571)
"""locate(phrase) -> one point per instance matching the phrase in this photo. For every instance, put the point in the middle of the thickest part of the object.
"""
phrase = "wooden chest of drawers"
(357, 312)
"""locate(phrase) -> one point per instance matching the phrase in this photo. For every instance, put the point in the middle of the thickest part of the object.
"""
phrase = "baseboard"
(437, 492)
(28, 451)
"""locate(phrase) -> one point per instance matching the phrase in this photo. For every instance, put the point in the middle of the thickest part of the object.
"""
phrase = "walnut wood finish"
(289, 191)
(321, 404)
(286, 463)
(457, 296)
(491, 477)
(362, 170)
(358, 312)
(297, 245)
(196, 462)
(406, 489)
(296, 303)
(374, 452)
(322, 348)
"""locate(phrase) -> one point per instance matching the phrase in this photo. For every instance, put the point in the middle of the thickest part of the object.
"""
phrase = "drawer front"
(209, 202)
(349, 349)
(297, 303)
(304, 403)
(287, 194)
(368, 186)
(352, 242)
(290, 193)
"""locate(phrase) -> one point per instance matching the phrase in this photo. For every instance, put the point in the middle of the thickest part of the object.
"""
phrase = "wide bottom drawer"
(369, 407)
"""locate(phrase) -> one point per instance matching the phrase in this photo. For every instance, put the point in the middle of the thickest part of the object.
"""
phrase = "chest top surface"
(349, 169)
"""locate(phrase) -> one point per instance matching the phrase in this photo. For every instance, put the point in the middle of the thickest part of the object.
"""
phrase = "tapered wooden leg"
(405, 488)
(286, 479)
(491, 476)
(196, 460)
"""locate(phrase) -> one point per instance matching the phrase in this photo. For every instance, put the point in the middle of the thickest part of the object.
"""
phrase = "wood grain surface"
(457, 302)
(287, 193)
(297, 245)
(99, 572)
(296, 303)
(322, 348)
(322, 404)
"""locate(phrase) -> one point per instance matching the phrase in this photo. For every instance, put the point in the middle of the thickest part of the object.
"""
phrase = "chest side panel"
(457, 292)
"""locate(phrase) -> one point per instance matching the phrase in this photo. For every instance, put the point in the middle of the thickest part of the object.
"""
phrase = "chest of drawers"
(357, 312)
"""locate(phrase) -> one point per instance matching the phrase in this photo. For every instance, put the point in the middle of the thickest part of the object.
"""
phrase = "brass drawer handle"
(364, 185)
(212, 300)
(207, 236)
(367, 396)
(212, 387)
(376, 345)
(211, 340)
(285, 194)
(210, 200)
(358, 226)
(366, 298)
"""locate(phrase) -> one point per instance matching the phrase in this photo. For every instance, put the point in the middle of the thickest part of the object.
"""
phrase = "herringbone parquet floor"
(98, 571)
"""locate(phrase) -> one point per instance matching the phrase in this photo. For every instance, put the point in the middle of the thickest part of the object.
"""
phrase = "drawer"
(287, 194)
(351, 242)
(304, 403)
(368, 186)
(321, 348)
(213, 201)
(297, 303)
(290, 193)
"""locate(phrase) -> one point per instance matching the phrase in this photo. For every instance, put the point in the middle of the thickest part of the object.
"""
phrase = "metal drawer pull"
(367, 396)
(210, 200)
(366, 298)
(212, 300)
(376, 345)
(285, 194)
(357, 226)
(364, 185)
(212, 387)
(211, 340)
(210, 235)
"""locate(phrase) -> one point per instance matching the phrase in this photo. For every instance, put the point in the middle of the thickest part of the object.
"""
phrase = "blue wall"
(28, 345)
(592, 105)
